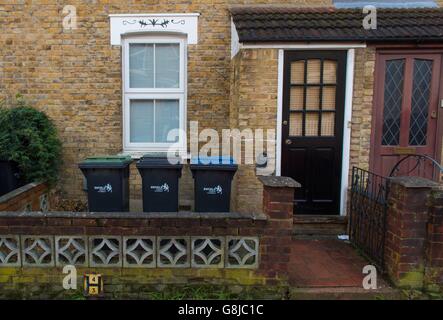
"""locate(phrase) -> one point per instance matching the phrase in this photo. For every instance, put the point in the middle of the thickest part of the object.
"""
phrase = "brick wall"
(253, 106)
(434, 246)
(362, 107)
(272, 229)
(26, 198)
(75, 76)
(413, 244)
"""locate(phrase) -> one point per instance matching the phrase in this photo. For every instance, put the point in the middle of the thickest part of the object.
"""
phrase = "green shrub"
(28, 137)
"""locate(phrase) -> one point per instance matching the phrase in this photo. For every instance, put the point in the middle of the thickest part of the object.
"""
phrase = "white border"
(119, 27)
(281, 63)
(137, 149)
(303, 45)
(347, 112)
(346, 157)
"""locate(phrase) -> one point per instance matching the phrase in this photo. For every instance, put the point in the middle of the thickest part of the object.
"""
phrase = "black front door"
(312, 127)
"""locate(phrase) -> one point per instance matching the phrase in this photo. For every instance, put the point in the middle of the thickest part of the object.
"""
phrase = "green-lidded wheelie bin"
(107, 182)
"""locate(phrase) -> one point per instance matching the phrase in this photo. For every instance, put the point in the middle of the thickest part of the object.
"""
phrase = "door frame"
(349, 88)
(380, 50)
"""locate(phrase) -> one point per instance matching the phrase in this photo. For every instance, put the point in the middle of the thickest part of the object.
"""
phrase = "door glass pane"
(295, 124)
(298, 72)
(296, 99)
(166, 119)
(311, 124)
(421, 88)
(328, 100)
(329, 72)
(393, 95)
(167, 65)
(141, 123)
(141, 65)
(313, 71)
(313, 98)
(327, 123)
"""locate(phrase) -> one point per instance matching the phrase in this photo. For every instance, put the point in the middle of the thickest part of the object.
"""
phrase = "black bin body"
(108, 183)
(159, 183)
(9, 177)
(212, 183)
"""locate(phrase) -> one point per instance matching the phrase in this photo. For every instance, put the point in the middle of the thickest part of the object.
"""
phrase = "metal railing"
(368, 207)
(420, 165)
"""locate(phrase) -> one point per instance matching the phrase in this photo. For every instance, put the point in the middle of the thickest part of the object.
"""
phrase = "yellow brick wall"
(75, 77)
(254, 88)
(362, 107)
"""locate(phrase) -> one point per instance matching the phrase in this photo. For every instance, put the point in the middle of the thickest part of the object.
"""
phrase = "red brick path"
(325, 263)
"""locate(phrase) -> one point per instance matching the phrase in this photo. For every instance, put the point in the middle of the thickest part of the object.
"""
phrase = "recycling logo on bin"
(213, 190)
(107, 188)
(163, 188)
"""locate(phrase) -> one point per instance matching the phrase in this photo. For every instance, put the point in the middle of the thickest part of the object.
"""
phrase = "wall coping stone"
(14, 193)
(279, 182)
(414, 182)
(133, 215)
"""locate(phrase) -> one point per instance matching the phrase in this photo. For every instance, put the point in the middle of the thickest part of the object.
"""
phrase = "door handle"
(434, 114)
(288, 141)
(285, 122)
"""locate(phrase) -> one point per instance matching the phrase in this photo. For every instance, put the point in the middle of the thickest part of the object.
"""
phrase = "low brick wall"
(30, 197)
(434, 247)
(414, 235)
(137, 252)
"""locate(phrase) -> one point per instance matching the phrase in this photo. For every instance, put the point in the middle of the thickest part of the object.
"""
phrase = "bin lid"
(159, 160)
(111, 161)
(213, 163)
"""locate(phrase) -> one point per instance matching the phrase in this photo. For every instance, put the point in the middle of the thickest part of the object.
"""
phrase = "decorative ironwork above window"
(184, 23)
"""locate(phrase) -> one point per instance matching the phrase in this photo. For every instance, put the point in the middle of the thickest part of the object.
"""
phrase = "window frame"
(179, 94)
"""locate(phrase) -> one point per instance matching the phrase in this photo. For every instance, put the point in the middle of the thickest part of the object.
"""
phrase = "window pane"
(298, 72)
(328, 101)
(295, 124)
(141, 65)
(314, 71)
(296, 99)
(329, 71)
(421, 89)
(167, 65)
(313, 98)
(141, 115)
(311, 124)
(393, 95)
(327, 123)
(166, 119)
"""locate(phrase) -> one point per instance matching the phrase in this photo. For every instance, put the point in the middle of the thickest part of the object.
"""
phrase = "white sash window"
(154, 85)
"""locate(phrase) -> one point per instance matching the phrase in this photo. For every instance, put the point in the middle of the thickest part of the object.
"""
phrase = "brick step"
(319, 226)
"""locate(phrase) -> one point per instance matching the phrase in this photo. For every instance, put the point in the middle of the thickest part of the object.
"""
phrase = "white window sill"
(135, 155)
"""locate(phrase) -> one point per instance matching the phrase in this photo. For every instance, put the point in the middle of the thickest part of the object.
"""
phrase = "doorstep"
(319, 226)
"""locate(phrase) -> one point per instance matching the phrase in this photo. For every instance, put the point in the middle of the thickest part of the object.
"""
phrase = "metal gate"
(368, 207)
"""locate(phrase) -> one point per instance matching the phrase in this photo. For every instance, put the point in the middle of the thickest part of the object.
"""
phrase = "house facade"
(118, 77)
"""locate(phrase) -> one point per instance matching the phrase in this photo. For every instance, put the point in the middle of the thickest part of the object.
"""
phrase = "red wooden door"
(405, 113)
